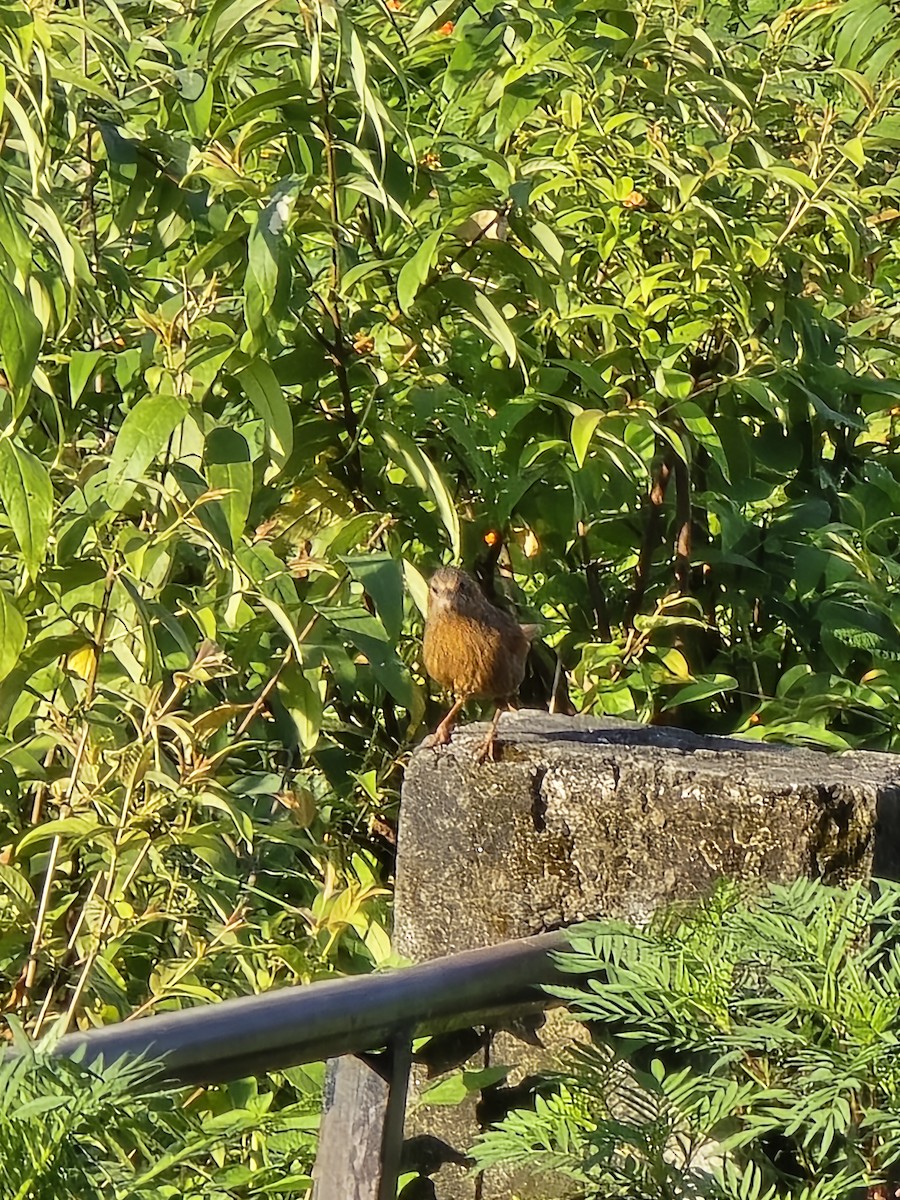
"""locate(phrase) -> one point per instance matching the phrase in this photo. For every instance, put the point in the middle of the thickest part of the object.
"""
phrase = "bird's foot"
(440, 737)
(487, 749)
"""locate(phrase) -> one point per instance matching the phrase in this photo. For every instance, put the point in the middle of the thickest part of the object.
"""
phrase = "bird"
(472, 649)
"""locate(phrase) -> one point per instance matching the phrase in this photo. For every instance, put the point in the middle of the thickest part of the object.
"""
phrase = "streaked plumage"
(471, 648)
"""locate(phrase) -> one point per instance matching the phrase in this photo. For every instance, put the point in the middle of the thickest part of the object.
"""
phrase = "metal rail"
(361, 1133)
(293, 1025)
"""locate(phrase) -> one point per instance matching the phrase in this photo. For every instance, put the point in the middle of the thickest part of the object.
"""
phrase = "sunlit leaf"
(264, 393)
(13, 632)
(426, 475)
(583, 426)
(82, 367)
(20, 337)
(228, 466)
(144, 434)
(701, 689)
(27, 495)
(300, 694)
(414, 272)
(267, 266)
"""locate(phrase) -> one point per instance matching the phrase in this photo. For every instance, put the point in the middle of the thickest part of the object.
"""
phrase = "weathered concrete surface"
(583, 818)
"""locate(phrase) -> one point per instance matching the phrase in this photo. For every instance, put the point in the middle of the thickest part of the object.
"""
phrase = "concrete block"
(583, 818)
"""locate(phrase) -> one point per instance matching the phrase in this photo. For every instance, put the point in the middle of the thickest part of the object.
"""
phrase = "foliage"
(71, 1132)
(746, 1049)
(298, 301)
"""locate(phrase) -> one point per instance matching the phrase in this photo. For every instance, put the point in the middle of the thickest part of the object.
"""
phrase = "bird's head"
(452, 589)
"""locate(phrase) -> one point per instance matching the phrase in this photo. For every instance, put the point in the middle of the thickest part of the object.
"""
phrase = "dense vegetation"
(745, 1050)
(299, 301)
(74, 1133)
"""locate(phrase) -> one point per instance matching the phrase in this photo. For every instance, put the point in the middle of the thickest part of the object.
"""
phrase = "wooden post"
(361, 1135)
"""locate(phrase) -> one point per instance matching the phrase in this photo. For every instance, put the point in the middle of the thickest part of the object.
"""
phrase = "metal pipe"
(307, 1023)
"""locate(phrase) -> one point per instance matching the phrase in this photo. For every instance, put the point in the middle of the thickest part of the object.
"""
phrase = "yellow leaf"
(675, 662)
(81, 662)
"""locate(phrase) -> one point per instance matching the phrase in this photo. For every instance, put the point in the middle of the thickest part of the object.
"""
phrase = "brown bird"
(473, 649)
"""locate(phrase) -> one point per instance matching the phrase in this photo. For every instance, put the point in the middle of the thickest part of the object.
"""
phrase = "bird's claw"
(440, 737)
(486, 751)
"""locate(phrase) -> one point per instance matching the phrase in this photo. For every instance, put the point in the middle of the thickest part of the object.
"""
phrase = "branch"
(338, 349)
(653, 506)
(684, 532)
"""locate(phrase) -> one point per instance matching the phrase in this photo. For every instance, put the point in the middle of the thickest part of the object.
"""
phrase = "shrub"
(745, 1049)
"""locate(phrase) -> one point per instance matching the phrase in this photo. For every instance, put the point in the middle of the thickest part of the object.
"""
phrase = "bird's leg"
(486, 749)
(441, 735)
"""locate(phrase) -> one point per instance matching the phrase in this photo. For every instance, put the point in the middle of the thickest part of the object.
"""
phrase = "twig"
(684, 532)
(653, 506)
(595, 587)
(259, 703)
(338, 349)
(37, 937)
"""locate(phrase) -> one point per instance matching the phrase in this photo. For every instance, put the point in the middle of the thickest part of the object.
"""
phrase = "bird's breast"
(472, 658)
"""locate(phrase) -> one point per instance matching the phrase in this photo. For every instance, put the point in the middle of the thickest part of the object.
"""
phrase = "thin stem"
(338, 348)
(653, 506)
(49, 875)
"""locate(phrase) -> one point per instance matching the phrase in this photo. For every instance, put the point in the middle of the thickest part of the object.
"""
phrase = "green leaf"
(859, 83)
(264, 392)
(294, 91)
(17, 886)
(228, 465)
(209, 513)
(449, 1091)
(381, 576)
(422, 470)
(9, 789)
(301, 696)
(268, 273)
(13, 631)
(702, 689)
(583, 426)
(482, 313)
(429, 18)
(69, 253)
(149, 619)
(572, 108)
(82, 368)
(27, 495)
(414, 272)
(797, 179)
(144, 433)
(517, 103)
(677, 385)
(702, 429)
(78, 828)
(224, 17)
(605, 30)
(227, 804)
(460, 1084)
(497, 327)
(853, 150)
(549, 242)
(13, 239)
(370, 637)
(21, 335)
